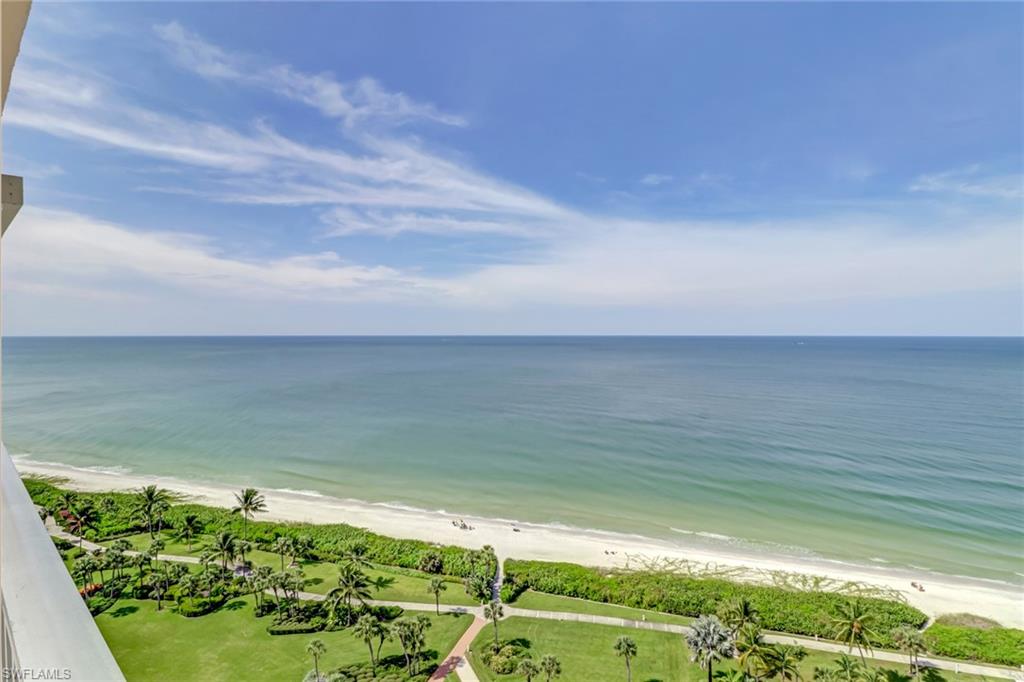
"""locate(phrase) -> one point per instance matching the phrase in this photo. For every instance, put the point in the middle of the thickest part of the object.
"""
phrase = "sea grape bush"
(117, 516)
(784, 610)
(1000, 645)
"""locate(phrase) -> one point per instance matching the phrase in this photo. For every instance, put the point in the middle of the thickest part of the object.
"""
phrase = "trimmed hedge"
(1004, 646)
(782, 610)
(315, 625)
(117, 517)
(200, 606)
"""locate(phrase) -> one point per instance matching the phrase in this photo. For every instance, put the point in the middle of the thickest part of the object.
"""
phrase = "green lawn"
(409, 586)
(232, 644)
(550, 602)
(585, 651)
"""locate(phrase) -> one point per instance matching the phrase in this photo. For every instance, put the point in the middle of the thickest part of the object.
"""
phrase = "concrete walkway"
(456, 660)
(465, 671)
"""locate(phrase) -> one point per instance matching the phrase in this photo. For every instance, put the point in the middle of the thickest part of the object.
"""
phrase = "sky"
(264, 168)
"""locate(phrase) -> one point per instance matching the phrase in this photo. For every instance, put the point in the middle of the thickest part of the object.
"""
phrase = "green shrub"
(783, 610)
(117, 516)
(504, 659)
(315, 625)
(1004, 646)
(200, 606)
(100, 603)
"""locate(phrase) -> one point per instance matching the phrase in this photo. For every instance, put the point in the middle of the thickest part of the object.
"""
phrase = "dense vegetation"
(991, 644)
(783, 610)
(118, 514)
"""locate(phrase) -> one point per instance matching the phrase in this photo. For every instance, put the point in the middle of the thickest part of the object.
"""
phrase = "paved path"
(456, 659)
(478, 612)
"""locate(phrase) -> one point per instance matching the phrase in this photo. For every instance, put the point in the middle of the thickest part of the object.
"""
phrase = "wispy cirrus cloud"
(371, 179)
(972, 181)
(363, 100)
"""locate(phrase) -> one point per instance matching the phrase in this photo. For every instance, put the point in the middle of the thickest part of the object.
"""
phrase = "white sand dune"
(943, 594)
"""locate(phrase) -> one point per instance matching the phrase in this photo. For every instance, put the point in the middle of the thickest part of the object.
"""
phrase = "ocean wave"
(112, 470)
(293, 491)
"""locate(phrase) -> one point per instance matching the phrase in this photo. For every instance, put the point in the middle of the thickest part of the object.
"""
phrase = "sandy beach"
(943, 594)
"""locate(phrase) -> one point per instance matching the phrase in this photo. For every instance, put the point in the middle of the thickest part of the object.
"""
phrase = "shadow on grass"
(314, 581)
(235, 605)
(122, 611)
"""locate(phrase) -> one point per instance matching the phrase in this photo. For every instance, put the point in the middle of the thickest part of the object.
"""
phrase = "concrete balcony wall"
(46, 627)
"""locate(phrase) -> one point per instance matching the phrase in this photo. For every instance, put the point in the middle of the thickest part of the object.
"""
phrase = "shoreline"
(1002, 602)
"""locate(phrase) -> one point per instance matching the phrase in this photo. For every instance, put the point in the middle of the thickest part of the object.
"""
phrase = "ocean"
(906, 452)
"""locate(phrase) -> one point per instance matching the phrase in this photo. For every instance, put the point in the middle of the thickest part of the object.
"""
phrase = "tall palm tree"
(158, 592)
(709, 642)
(284, 546)
(226, 546)
(403, 630)
(626, 648)
(853, 627)
(150, 502)
(436, 587)
(316, 649)
(528, 669)
(785, 661)
(739, 612)
(355, 554)
(752, 649)
(366, 629)
(551, 666)
(911, 642)
(188, 587)
(493, 612)
(67, 501)
(189, 529)
(848, 669)
(250, 502)
(84, 518)
(352, 584)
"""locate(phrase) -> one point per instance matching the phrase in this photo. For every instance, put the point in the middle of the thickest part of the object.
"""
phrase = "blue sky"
(538, 168)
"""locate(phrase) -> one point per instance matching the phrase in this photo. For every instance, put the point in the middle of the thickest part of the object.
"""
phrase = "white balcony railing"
(47, 631)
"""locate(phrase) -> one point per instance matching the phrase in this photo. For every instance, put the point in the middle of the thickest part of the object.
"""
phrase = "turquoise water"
(905, 451)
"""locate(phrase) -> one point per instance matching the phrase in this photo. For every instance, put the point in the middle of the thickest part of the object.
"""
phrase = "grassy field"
(585, 651)
(409, 586)
(231, 644)
(551, 602)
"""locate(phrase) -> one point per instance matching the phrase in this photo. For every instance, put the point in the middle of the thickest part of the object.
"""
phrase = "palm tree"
(352, 584)
(709, 641)
(283, 545)
(436, 587)
(911, 642)
(355, 554)
(848, 669)
(84, 518)
(551, 666)
(626, 647)
(528, 669)
(67, 501)
(853, 626)
(383, 633)
(403, 632)
(187, 587)
(189, 529)
(316, 649)
(752, 650)
(151, 501)
(250, 502)
(822, 674)
(739, 612)
(158, 591)
(226, 546)
(366, 629)
(784, 661)
(732, 676)
(493, 612)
